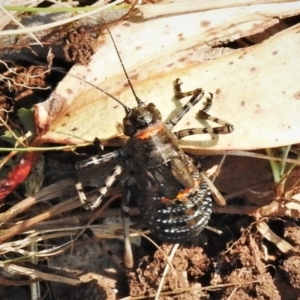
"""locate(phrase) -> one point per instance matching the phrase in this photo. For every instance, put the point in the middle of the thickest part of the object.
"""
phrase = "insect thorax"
(157, 163)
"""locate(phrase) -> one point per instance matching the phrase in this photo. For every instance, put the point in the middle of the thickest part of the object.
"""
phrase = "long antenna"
(138, 100)
(126, 108)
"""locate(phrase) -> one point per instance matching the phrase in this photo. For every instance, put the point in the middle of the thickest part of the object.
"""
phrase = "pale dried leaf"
(170, 7)
(256, 89)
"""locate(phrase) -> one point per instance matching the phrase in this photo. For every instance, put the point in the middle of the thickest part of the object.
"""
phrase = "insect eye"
(129, 127)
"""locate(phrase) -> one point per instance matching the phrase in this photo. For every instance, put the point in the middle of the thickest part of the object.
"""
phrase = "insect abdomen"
(178, 220)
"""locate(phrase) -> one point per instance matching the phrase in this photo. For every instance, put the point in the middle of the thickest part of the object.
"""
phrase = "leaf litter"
(245, 268)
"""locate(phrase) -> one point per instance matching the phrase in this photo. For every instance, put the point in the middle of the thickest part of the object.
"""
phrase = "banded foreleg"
(93, 204)
(97, 160)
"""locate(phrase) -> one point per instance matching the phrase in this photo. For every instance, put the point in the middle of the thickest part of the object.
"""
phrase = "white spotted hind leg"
(223, 129)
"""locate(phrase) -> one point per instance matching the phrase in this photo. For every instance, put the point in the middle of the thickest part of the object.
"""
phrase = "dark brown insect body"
(173, 199)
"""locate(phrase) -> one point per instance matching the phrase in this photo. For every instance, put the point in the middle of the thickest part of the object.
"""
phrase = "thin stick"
(166, 270)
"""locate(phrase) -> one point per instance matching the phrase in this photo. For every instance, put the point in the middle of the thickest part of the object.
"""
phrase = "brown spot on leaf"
(275, 52)
(242, 55)
(297, 95)
(253, 69)
(69, 91)
(180, 36)
(126, 24)
(243, 103)
(231, 63)
(204, 23)
(181, 59)
(134, 76)
(138, 48)
(218, 91)
(74, 129)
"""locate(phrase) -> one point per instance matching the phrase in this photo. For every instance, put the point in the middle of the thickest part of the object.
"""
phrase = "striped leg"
(223, 129)
(94, 203)
(98, 159)
(197, 95)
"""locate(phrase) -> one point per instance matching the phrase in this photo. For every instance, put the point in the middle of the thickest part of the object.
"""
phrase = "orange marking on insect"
(180, 196)
(149, 131)
(184, 193)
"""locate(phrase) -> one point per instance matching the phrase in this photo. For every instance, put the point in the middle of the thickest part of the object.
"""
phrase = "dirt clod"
(188, 265)
(79, 46)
